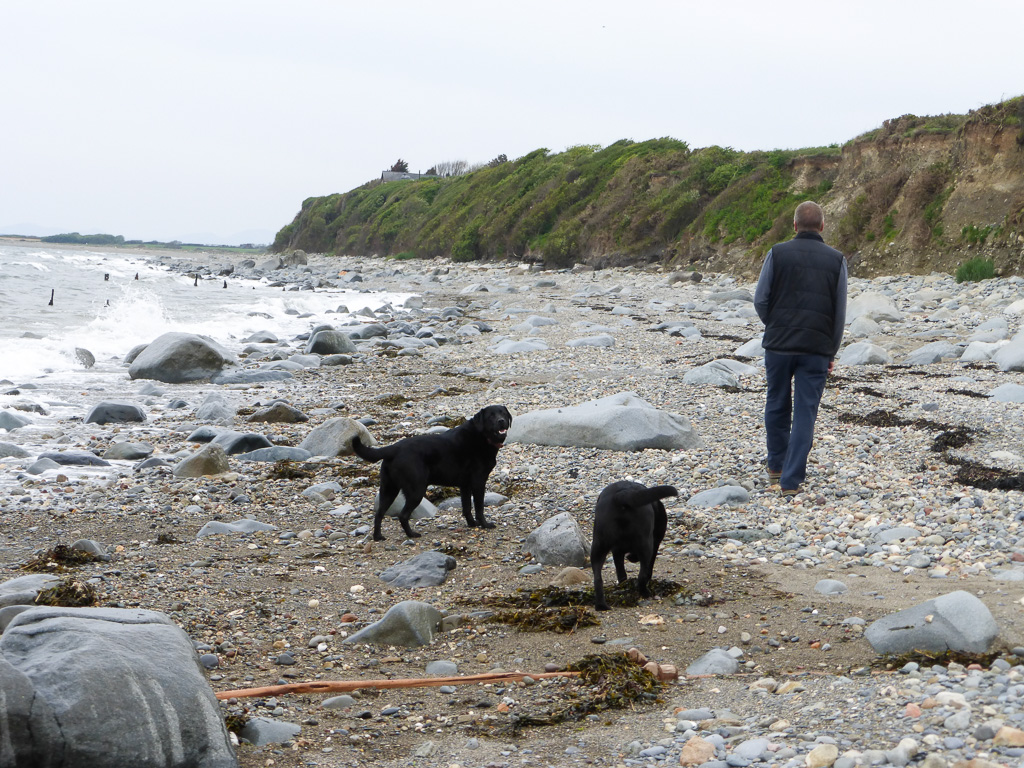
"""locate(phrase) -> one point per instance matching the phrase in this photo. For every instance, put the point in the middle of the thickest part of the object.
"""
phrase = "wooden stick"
(344, 686)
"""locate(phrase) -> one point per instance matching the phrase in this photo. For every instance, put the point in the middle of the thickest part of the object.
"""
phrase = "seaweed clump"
(986, 478)
(69, 593)
(605, 681)
(563, 620)
(58, 558)
(289, 470)
(957, 437)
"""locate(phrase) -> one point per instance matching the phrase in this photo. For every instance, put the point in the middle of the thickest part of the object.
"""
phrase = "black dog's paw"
(379, 537)
(602, 607)
(413, 534)
(486, 524)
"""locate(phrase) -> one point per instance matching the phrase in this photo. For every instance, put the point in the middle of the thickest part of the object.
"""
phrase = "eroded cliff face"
(929, 202)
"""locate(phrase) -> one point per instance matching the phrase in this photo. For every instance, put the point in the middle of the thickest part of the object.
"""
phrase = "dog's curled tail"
(366, 452)
(637, 497)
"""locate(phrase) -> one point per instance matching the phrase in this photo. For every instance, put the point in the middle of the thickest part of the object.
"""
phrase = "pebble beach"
(915, 489)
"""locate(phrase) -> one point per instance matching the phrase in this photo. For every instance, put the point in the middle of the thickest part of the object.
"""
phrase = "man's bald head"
(808, 217)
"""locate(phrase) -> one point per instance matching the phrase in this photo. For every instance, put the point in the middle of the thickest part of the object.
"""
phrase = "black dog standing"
(629, 522)
(463, 457)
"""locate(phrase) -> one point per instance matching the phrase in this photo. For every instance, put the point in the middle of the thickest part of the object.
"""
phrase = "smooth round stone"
(285, 659)
(442, 668)
(338, 702)
(209, 661)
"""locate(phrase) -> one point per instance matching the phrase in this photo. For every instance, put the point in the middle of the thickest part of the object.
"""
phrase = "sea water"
(109, 302)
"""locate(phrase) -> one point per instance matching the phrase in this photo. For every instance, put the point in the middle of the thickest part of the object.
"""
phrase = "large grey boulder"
(235, 376)
(334, 437)
(208, 460)
(106, 688)
(241, 442)
(957, 621)
(12, 451)
(711, 374)
(75, 458)
(128, 451)
(427, 569)
(559, 540)
(512, 347)
(179, 357)
(245, 525)
(717, 661)
(367, 331)
(752, 348)
(600, 340)
(980, 351)
(409, 624)
(864, 353)
(863, 326)
(279, 413)
(723, 494)
(23, 589)
(109, 411)
(215, 409)
(877, 306)
(264, 730)
(620, 422)
(11, 421)
(1008, 393)
(330, 343)
(932, 353)
(275, 453)
(1011, 356)
(992, 330)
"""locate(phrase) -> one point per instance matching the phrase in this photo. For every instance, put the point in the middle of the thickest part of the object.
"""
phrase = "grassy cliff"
(918, 193)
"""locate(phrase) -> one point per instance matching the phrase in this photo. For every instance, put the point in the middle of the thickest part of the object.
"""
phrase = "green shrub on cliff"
(975, 269)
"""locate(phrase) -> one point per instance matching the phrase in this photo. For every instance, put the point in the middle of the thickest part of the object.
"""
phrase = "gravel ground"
(747, 573)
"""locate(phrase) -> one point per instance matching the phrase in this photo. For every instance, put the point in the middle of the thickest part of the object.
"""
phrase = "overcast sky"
(211, 121)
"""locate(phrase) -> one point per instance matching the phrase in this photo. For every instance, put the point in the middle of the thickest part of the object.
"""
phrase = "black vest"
(801, 310)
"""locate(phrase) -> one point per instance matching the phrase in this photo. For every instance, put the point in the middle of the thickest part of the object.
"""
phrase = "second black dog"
(463, 457)
(629, 522)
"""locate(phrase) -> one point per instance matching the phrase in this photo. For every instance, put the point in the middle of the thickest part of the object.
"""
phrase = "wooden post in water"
(51, 297)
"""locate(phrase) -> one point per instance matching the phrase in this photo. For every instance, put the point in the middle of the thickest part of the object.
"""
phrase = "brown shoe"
(774, 477)
(788, 493)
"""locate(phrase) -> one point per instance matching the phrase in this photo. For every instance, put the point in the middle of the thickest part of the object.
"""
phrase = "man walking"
(801, 299)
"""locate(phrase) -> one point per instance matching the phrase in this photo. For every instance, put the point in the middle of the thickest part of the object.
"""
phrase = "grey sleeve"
(840, 317)
(763, 292)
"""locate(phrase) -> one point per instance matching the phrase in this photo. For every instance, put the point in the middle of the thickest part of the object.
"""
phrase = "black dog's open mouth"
(499, 436)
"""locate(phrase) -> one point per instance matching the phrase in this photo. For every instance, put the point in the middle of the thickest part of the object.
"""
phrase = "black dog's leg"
(643, 580)
(478, 503)
(388, 494)
(467, 508)
(598, 553)
(412, 500)
(619, 557)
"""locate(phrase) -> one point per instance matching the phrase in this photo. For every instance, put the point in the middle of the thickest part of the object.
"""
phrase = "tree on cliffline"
(400, 167)
(452, 168)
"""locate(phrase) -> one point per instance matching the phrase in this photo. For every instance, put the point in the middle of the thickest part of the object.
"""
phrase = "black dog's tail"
(638, 497)
(368, 453)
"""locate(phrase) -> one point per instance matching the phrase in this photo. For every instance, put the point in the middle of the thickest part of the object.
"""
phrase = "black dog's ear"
(509, 414)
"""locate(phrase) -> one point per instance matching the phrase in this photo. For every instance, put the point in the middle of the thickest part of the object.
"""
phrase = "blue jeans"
(795, 385)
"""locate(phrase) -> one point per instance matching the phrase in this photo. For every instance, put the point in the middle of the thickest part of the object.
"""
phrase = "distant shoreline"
(144, 250)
